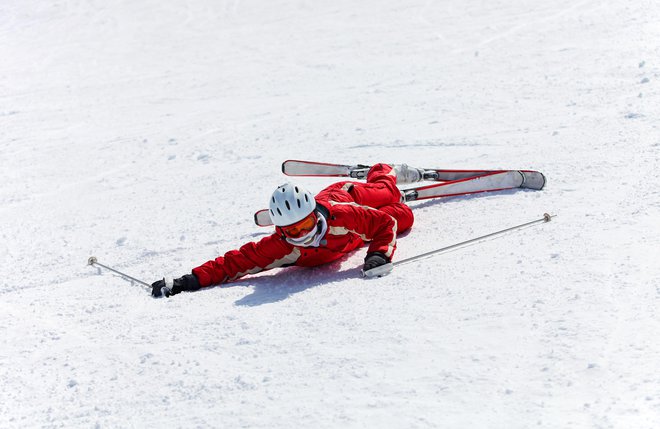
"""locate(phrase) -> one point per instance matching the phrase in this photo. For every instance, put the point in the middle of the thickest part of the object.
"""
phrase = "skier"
(312, 231)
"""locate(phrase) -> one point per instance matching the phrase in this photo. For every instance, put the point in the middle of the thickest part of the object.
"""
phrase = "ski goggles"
(300, 228)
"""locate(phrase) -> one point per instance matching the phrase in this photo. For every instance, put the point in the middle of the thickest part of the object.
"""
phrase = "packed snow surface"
(147, 133)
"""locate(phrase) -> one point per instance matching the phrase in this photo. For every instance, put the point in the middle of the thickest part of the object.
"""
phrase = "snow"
(147, 134)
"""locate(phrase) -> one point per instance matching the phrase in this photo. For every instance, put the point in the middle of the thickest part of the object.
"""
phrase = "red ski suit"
(358, 213)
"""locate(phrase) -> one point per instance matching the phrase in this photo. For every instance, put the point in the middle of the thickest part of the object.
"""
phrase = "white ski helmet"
(290, 204)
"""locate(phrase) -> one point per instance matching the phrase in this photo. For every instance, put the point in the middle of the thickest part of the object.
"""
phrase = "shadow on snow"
(279, 286)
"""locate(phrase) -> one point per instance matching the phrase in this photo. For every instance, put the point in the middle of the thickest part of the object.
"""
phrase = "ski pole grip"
(378, 271)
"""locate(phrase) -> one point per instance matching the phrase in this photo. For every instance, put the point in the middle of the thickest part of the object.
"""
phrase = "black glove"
(187, 282)
(374, 259)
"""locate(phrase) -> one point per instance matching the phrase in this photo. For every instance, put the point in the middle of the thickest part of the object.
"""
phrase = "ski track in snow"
(148, 133)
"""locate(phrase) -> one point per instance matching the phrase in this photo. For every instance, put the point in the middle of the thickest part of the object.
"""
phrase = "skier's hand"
(161, 288)
(167, 287)
(376, 264)
(374, 259)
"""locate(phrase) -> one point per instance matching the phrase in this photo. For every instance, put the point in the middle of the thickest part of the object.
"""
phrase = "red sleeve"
(370, 224)
(269, 252)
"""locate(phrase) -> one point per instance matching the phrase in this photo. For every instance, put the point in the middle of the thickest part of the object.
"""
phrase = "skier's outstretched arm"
(270, 252)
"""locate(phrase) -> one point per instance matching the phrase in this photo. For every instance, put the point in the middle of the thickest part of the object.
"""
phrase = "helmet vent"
(271, 212)
(298, 203)
(279, 212)
(288, 206)
(306, 199)
(296, 188)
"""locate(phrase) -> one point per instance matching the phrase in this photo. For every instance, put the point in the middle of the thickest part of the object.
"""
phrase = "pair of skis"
(452, 182)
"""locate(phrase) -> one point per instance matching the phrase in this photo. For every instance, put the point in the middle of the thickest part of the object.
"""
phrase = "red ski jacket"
(350, 225)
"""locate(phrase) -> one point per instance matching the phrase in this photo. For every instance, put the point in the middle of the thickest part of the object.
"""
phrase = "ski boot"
(405, 174)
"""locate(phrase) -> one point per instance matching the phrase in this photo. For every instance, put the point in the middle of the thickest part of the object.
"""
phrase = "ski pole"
(384, 269)
(93, 261)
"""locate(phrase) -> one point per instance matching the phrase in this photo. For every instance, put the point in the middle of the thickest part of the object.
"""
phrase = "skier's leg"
(380, 189)
(402, 213)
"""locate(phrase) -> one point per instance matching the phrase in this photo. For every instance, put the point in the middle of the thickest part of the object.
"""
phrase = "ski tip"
(532, 180)
(262, 218)
(543, 180)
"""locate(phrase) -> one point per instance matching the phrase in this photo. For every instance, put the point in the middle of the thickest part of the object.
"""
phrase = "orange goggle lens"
(301, 228)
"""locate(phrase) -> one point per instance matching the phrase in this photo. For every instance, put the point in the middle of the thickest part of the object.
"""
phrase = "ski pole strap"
(546, 218)
(93, 261)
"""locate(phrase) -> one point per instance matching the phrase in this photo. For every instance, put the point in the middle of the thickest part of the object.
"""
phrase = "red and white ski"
(453, 182)
(294, 167)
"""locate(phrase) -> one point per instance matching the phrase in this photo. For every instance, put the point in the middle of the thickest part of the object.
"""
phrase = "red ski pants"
(380, 192)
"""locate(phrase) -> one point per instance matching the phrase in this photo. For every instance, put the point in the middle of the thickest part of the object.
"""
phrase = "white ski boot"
(405, 174)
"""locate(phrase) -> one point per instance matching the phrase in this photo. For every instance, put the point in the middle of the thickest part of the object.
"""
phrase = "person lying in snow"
(311, 231)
